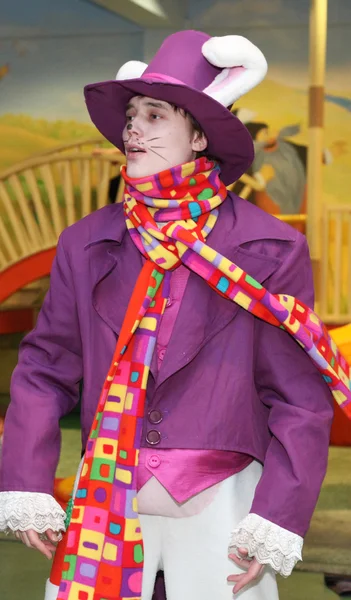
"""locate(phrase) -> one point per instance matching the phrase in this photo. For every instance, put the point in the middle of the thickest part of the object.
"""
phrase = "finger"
(253, 573)
(52, 536)
(256, 568)
(241, 562)
(243, 552)
(24, 538)
(39, 545)
(240, 581)
(44, 547)
(235, 578)
(245, 580)
(17, 535)
(49, 545)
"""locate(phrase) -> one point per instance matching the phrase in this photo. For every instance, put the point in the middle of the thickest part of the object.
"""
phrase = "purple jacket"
(228, 381)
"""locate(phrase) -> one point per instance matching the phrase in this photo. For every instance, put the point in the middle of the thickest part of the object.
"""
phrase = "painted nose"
(135, 127)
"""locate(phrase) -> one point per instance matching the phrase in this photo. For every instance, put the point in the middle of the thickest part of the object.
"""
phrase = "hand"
(32, 539)
(254, 570)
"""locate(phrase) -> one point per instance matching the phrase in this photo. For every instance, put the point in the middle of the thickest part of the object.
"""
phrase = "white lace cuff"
(268, 543)
(20, 511)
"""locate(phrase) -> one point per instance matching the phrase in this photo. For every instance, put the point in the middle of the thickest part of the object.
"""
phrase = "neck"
(198, 165)
(183, 192)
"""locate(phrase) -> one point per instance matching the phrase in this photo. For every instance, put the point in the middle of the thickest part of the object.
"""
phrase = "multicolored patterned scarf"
(169, 216)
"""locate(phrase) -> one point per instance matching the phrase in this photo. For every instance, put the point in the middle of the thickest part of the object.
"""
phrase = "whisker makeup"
(160, 155)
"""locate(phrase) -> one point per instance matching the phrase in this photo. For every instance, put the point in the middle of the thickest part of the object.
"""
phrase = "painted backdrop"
(50, 50)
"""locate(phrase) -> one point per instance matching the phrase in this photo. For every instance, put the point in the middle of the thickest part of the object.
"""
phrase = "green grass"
(335, 497)
(70, 447)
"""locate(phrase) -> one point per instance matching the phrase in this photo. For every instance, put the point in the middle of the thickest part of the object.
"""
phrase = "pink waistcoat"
(184, 473)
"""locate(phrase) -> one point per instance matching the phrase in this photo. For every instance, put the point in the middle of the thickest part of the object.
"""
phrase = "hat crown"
(180, 57)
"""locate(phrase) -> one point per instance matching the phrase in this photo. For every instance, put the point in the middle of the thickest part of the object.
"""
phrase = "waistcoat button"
(155, 416)
(153, 437)
(154, 461)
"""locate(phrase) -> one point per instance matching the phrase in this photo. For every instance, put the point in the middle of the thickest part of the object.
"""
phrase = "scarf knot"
(170, 210)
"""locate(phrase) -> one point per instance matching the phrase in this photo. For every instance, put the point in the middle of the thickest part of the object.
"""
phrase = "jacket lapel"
(117, 270)
(203, 312)
(114, 282)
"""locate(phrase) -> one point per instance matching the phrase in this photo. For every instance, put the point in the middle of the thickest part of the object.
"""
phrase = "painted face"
(157, 137)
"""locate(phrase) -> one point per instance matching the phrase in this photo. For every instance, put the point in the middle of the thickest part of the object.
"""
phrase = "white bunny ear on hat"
(133, 69)
(243, 64)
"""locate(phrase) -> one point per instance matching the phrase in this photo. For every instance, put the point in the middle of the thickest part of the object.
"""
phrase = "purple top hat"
(200, 74)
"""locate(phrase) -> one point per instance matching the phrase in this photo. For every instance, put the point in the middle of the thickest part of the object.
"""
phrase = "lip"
(134, 155)
(131, 146)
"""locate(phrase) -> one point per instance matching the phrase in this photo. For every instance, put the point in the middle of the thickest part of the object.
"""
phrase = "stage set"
(55, 169)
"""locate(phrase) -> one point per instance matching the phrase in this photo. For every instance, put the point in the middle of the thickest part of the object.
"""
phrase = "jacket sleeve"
(300, 410)
(44, 387)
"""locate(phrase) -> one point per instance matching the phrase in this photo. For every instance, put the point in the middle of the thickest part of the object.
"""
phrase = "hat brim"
(228, 139)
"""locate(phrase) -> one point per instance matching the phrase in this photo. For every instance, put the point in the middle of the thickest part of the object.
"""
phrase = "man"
(200, 393)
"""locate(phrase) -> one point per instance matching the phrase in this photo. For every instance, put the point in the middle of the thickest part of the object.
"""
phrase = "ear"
(243, 64)
(132, 69)
(200, 142)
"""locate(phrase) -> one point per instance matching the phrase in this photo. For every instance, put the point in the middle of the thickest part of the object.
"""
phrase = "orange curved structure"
(25, 271)
(14, 278)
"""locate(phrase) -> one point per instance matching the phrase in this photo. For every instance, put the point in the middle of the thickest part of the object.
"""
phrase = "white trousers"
(193, 551)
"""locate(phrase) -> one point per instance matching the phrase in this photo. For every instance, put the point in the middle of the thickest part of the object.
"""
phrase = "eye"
(129, 118)
(155, 117)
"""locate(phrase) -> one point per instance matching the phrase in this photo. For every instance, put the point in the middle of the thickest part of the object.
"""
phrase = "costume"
(257, 392)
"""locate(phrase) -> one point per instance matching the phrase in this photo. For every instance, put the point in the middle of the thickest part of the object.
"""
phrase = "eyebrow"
(153, 104)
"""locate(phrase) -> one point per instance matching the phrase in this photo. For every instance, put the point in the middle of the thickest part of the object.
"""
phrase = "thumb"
(243, 552)
(52, 536)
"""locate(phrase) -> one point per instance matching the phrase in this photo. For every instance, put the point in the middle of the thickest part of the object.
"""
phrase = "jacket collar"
(111, 229)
